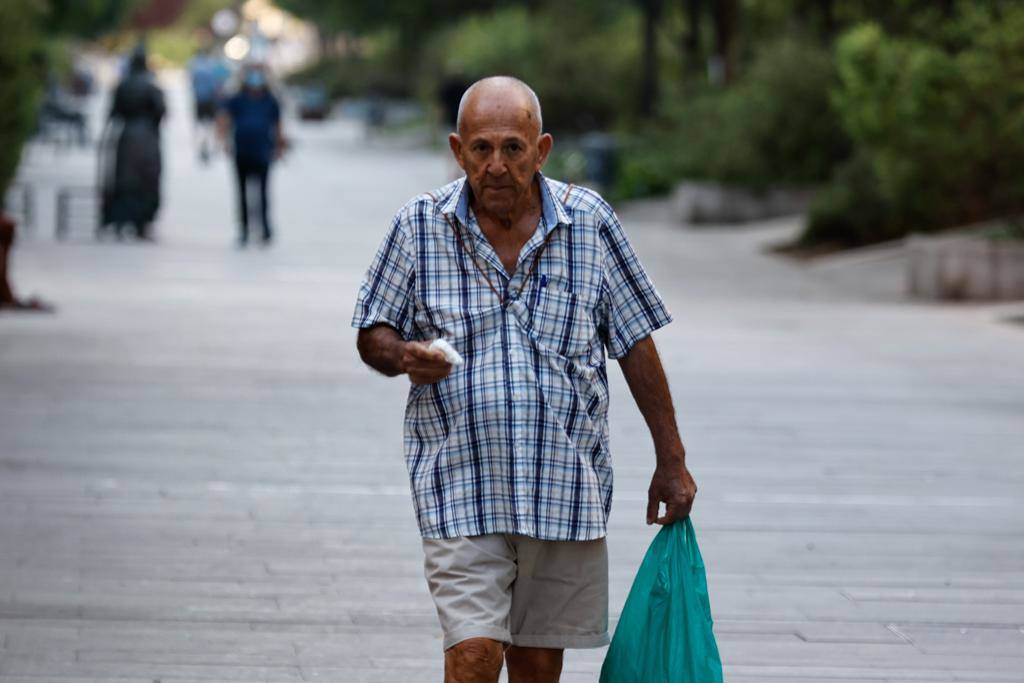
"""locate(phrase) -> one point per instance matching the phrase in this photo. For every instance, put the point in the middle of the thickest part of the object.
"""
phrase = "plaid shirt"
(515, 440)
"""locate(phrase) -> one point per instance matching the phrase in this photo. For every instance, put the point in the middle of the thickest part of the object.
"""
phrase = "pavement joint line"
(900, 634)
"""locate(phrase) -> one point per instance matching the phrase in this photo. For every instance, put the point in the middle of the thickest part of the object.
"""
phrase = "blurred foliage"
(567, 163)
(171, 46)
(22, 62)
(776, 125)
(574, 82)
(85, 18)
(35, 48)
(370, 17)
(414, 22)
(1012, 229)
(939, 128)
(177, 43)
(373, 71)
(850, 210)
(198, 13)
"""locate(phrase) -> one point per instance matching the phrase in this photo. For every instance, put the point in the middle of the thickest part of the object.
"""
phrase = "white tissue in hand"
(450, 354)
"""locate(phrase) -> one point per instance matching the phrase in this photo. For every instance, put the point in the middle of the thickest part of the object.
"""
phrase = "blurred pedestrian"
(132, 192)
(82, 80)
(59, 113)
(531, 282)
(449, 95)
(254, 116)
(7, 297)
(208, 74)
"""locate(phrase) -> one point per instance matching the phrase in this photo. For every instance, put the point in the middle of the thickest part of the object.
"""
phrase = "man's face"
(500, 148)
(255, 80)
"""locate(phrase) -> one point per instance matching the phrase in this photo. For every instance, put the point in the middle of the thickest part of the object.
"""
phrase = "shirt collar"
(552, 211)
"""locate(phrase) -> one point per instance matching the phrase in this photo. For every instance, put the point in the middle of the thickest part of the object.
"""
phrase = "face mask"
(254, 79)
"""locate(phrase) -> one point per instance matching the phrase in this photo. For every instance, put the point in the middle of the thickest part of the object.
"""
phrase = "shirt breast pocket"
(561, 321)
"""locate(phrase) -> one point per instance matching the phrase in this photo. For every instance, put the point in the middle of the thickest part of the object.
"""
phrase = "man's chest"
(553, 296)
(508, 242)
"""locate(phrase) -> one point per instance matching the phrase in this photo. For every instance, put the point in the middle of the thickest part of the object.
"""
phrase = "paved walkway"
(199, 481)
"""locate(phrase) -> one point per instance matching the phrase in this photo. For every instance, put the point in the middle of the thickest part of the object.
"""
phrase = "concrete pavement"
(199, 480)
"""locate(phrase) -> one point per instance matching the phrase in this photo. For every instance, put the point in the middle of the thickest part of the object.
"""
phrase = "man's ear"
(544, 143)
(455, 143)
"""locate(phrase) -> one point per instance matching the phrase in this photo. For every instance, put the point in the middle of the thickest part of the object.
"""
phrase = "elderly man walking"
(530, 280)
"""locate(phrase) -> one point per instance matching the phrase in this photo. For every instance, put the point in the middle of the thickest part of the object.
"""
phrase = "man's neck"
(528, 207)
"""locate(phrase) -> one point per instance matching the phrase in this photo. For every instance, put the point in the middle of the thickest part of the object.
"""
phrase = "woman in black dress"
(132, 193)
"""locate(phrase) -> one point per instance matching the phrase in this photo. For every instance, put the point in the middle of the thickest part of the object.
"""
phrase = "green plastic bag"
(664, 634)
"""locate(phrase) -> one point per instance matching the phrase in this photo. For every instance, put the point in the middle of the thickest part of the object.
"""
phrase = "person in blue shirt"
(208, 74)
(254, 116)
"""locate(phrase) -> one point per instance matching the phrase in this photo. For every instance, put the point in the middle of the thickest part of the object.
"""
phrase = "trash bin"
(601, 158)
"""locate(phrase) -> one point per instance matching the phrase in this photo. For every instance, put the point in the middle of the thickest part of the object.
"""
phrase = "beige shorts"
(520, 590)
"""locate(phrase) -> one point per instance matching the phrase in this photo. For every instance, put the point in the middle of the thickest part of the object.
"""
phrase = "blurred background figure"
(81, 80)
(131, 194)
(253, 116)
(61, 118)
(208, 74)
(449, 94)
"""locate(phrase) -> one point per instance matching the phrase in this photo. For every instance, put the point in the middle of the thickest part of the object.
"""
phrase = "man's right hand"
(423, 364)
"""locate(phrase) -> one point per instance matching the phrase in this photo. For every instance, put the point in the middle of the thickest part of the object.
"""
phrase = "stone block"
(962, 267)
(701, 202)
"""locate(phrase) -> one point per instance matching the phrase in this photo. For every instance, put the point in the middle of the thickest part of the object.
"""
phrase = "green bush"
(21, 60)
(940, 130)
(775, 125)
(850, 210)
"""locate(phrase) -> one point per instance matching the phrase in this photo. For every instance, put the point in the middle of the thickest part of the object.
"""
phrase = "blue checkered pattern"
(515, 440)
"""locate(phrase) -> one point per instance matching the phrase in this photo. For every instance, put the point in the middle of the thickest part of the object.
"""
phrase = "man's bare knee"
(477, 660)
(534, 664)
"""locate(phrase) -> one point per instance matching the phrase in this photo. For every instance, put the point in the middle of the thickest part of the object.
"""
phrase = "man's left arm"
(280, 141)
(671, 483)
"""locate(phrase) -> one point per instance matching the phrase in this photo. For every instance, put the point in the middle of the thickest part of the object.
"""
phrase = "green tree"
(21, 62)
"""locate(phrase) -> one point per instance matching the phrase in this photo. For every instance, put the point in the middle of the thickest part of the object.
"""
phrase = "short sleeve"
(632, 307)
(386, 295)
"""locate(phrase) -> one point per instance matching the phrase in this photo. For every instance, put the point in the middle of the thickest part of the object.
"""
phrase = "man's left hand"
(672, 485)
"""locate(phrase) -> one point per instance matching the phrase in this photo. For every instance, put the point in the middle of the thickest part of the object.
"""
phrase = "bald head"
(497, 95)
(500, 146)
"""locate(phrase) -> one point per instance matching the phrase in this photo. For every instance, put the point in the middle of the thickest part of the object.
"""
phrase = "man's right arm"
(383, 349)
(380, 347)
